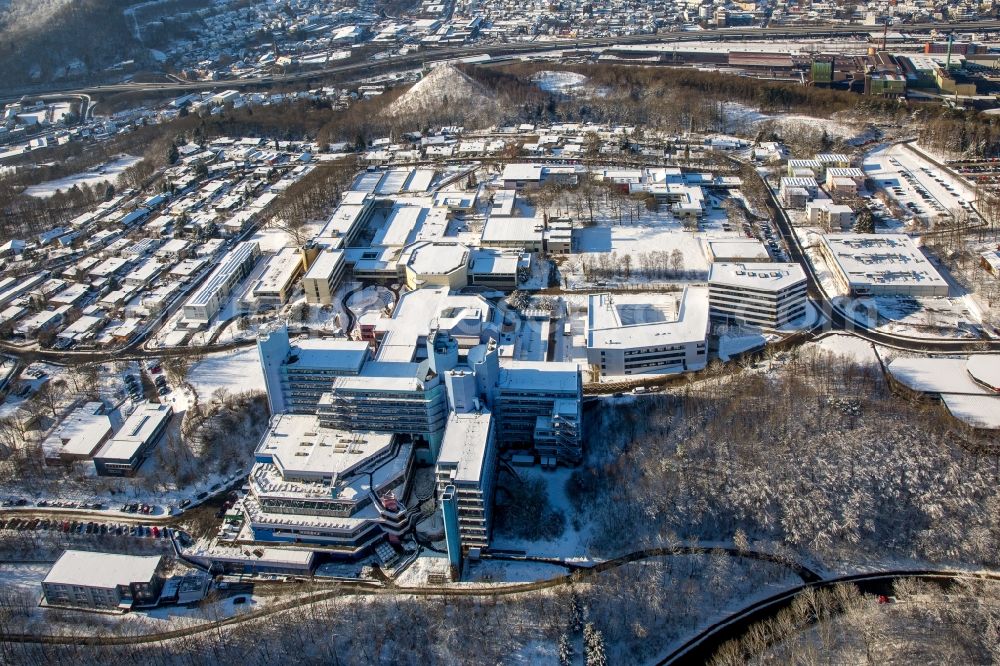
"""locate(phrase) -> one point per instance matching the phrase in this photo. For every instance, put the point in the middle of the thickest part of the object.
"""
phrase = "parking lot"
(926, 194)
(83, 527)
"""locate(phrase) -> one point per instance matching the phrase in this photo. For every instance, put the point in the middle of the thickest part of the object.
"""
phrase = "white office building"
(769, 294)
(297, 375)
(324, 276)
(628, 336)
(206, 302)
(125, 452)
(103, 581)
(339, 489)
(468, 461)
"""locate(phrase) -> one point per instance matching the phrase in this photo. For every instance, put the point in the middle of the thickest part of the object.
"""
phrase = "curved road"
(701, 648)
(842, 322)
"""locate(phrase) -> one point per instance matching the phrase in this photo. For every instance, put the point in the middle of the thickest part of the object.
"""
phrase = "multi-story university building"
(764, 294)
(312, 484)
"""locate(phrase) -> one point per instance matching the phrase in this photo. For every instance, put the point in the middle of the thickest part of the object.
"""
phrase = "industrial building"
(769, 295)
(881, 265)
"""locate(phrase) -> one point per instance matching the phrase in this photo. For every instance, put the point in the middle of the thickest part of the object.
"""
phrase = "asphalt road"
(842, 322)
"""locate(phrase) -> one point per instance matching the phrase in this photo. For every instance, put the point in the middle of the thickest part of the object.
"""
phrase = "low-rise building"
(880, 265)
(498, 269)
(79, 436)
(435, 264)
(206, 302)
(130, 446)
(829, 215)
(275, 284)
(106, 581)
(514, 233)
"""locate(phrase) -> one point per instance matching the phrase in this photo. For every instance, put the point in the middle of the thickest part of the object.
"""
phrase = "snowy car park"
(922, 190)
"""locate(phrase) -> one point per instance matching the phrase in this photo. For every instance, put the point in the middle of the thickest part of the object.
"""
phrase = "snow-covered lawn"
(572, 545)
(559, 82)
(235, 371)
(841, 344)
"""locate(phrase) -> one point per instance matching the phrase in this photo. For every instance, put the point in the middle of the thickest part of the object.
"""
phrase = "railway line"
(504, 50)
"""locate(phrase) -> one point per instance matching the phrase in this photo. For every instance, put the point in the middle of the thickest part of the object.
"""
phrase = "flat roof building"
(467, 461)
(717, 249)
(521, 233)
(324, 276)
(297, 375)
(275, 284)
(880, 265)
(106, 581)
(629, 335)
(312, 484)
(435, 264)
(968, 387)
(79, 436)
(769, 295)
(127, 450)
(206, 302)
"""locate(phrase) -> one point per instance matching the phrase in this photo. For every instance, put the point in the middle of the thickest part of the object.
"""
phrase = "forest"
(926, 622)
(819, 460)
(41, 40)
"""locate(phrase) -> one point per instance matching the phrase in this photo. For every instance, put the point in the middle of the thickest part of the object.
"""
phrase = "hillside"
(58, 40)
(446, 91)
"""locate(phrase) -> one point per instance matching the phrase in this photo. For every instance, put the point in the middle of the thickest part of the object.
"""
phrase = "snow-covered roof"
(951, 379)
(539, 377)
(464, 445)
(771, 277)
(104, 570)
(985, 369)
(299, 447)
(882, 259)
(624, 321)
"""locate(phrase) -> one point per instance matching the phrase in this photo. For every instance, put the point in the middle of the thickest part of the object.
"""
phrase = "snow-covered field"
(738, 114)
(235, 371)
(559, 82)
(107, 173)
